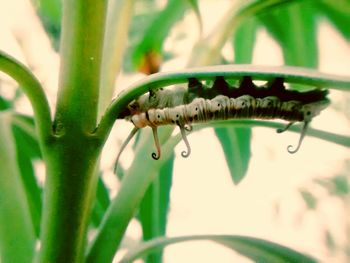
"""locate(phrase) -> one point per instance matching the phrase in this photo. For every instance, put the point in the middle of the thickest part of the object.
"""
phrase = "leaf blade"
(235, 143)
(256, 249)
(16, 228)
(294, 28)
(154, 207)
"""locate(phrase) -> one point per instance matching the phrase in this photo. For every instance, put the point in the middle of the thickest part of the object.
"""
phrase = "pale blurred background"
(269, 202)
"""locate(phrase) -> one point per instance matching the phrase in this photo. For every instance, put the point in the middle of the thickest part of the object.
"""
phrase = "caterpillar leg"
(302, 135)
(184, 138)
(285, 128)
(125, 143)
(156, 156)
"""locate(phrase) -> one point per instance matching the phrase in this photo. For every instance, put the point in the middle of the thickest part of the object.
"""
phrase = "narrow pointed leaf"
(148, 50)
(25, 134)
(236, 145)
(17, 235)
(5, 103)
(244, 41)
(337, 12)
(133, 187)
(27, 150)
(154, 207)
(258, 250)
(50, 13)
(102, 202)
(294, 28)
(117, 27)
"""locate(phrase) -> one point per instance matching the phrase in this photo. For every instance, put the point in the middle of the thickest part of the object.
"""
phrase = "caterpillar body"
(198, 103)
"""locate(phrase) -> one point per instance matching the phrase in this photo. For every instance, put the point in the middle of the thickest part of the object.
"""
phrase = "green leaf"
(135, 183)
(116, 35)
(294, 28)
(102, 202)
(25, 135)
(154, 207)
(236, 145)
(337, 12)
(50, 13)
(27, 149)
(208, 50)
(338, 185)
(258, 250)
(32, 190)
(150, 44)
(244, 41)
(309, 199)
(17, 235)
(341, 185)
(5, 103)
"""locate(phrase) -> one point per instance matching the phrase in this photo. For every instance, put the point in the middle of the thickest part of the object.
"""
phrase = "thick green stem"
(72, 155)
(70, 187)
(81, 53)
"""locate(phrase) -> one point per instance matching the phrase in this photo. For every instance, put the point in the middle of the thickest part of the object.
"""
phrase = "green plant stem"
(72, 156)
(81, 54)
(299, 75)
(33, 90)
(69, 191)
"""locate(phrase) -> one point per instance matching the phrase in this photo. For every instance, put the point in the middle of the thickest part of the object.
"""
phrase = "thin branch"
(297, 75)
(34, 91)
(339, 139)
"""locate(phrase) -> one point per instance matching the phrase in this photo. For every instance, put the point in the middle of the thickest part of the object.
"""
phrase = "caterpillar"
(199, 104)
